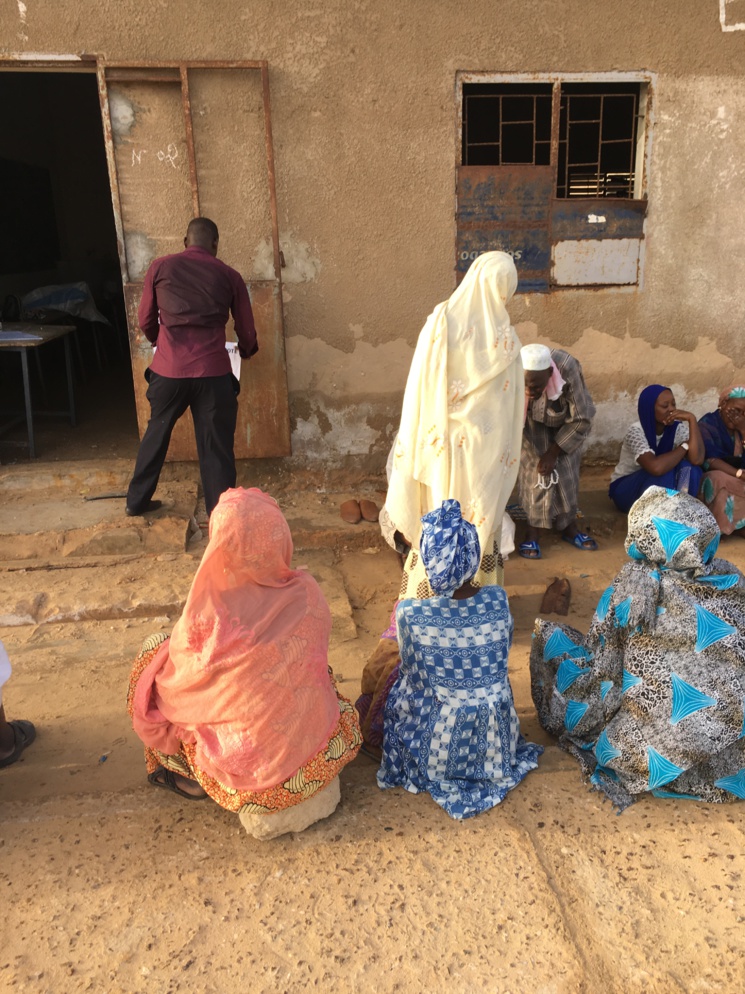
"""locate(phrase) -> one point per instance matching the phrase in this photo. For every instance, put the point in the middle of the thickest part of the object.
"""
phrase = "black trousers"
(213, 401)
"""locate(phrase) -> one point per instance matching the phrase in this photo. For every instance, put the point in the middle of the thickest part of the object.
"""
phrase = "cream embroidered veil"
(462, 414)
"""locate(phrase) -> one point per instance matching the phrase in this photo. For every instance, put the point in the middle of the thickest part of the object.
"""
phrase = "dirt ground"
(112, 886)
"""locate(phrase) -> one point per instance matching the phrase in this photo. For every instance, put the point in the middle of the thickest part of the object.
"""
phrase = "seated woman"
(724, 481)
(663, 449)
(651, 700)
(450, 726)
(239, 704)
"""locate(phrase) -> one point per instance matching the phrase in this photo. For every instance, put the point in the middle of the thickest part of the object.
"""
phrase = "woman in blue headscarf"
(450, 726)
(662, 449)
(723, 490)
(651, 701)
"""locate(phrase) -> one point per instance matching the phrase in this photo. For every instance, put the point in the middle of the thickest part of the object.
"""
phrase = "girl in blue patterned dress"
(652, 700)
(450, 725)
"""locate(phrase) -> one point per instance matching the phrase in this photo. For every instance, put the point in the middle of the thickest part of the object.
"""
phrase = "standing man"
(559, 413)
(184, 309)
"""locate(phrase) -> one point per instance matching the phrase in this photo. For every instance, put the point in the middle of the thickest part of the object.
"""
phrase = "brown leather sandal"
(370, 510)
(350, 512)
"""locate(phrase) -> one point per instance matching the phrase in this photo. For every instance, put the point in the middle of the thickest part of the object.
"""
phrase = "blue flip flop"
(529, 550)
(582, 541)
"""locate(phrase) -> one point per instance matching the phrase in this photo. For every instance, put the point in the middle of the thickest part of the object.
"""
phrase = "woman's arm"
(659, 465)
(725, 467)
(696, 450)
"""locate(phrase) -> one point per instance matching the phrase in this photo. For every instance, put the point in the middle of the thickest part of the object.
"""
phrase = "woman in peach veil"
(239, 704)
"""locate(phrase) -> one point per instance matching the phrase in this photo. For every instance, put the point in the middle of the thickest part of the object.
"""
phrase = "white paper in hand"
(235, 359)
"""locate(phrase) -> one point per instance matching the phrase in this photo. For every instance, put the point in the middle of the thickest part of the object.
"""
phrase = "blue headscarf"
(449, 548)
(647, 400)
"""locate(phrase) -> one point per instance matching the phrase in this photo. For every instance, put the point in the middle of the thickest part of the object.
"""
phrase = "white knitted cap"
(536, 357)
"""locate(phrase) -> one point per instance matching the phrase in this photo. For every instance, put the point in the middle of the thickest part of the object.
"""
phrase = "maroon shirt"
(184, 309)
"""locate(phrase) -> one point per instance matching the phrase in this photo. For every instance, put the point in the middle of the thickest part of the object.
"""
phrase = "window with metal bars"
(506, 124)
(594, 134)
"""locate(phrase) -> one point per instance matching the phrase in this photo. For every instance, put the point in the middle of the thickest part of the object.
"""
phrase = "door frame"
(268, 302)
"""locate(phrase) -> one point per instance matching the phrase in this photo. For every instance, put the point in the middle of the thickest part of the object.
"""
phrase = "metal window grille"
(597, 140)
(506, 124)
(591, 141)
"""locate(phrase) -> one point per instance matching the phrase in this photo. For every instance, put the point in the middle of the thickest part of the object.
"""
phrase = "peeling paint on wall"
(141, 251)
(23, 16)
(301, 266)
(333, 433)
(122, 113)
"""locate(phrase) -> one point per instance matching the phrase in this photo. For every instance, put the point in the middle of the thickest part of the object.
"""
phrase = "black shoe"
(152, 505)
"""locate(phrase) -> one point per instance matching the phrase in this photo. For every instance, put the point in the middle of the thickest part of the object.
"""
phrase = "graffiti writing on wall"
(169, 155)
(729, 10)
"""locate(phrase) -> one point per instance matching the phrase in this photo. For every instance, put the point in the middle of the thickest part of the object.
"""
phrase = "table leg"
(70, 389)
(27, 398)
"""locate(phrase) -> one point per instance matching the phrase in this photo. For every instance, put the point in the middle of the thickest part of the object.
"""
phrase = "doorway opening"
(59, 265)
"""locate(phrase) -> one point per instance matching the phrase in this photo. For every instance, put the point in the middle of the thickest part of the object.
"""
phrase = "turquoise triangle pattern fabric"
(662, 706)
(629, 681)
(634, 552)
(661, 770)
(734, 784)
(567, 673)
(575, 712)
(687, 700)
(672, 534)
(711, 549)
(710, 628)
(622, 612)
(602, 772)
(722, 581)
(604, 751)
(603, 604)
(558, 645)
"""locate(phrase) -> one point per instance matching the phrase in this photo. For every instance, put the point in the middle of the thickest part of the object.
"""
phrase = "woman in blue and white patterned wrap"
(652, 699)
(450, 724)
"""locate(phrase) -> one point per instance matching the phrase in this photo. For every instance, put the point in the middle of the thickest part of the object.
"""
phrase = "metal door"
(185, 139)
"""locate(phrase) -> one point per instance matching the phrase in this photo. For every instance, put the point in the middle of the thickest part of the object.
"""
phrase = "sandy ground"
(112, 886)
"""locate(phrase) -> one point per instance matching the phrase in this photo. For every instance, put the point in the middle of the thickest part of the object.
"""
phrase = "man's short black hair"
(202, 230)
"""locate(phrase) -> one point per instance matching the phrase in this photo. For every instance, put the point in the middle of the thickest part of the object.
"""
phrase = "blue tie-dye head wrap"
(449, 548)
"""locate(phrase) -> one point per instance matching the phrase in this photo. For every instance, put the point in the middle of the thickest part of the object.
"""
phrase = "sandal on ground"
(369, 510)
(557, 598)
(167, 779)
(350, 512)
(581, 541)
(529, 550)
(24, 734)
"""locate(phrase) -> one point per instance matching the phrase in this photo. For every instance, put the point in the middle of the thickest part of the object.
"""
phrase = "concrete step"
(135, 587)
(48, 524)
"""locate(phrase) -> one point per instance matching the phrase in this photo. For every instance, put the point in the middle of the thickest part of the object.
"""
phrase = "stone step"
(50, 524)
(135, 587)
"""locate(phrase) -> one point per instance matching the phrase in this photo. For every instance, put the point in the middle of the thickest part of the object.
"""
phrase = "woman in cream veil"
(461, 420)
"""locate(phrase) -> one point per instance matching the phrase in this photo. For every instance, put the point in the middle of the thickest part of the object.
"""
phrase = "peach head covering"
(244, 675)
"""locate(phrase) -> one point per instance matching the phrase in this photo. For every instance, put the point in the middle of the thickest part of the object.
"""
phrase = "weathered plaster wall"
(365, 143)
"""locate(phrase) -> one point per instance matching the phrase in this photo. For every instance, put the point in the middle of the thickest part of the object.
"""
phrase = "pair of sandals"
(354, 511)
(582, 541)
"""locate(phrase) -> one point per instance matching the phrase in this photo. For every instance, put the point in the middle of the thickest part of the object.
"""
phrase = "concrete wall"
(363, 103)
